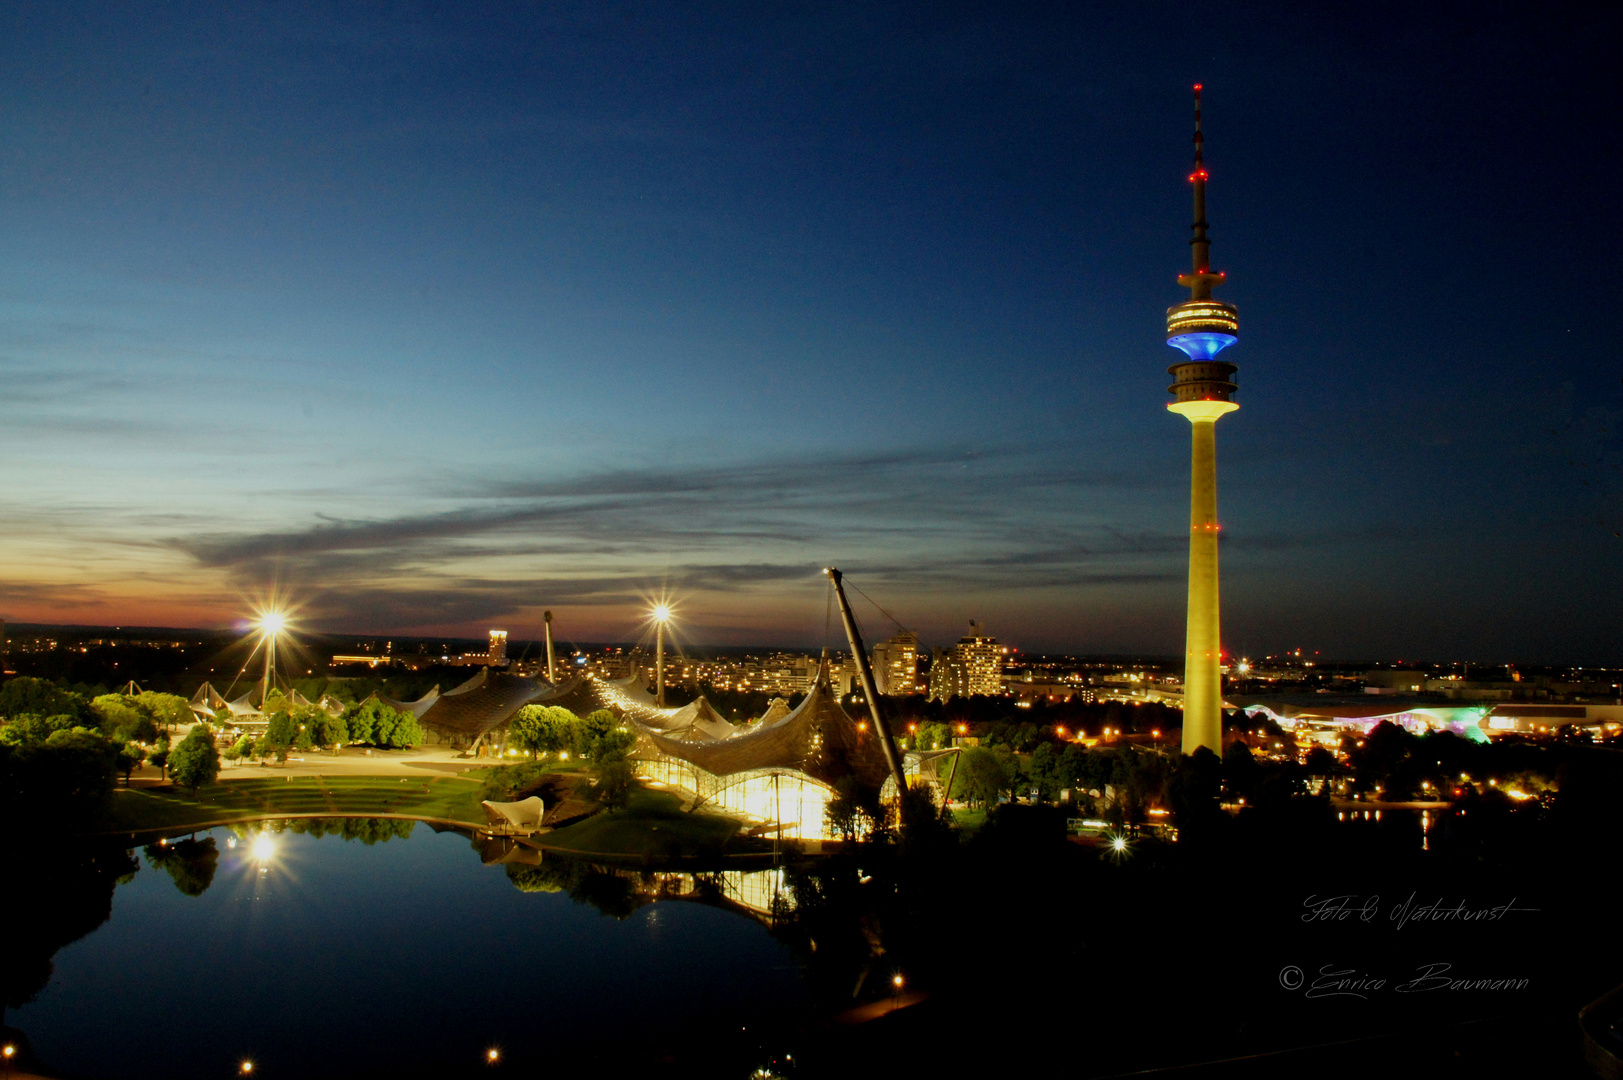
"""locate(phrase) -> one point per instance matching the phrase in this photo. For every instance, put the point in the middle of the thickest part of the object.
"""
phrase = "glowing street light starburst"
(1118, 846)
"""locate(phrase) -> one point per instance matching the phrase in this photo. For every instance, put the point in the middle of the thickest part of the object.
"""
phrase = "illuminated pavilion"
(779, 770)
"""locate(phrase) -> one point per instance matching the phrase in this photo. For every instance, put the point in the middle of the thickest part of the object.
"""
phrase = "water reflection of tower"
(1203, 385)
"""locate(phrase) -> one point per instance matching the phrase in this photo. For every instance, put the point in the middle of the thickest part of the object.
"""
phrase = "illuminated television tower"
(1201, 328)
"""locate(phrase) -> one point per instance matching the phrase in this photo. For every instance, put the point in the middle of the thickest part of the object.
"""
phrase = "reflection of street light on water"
(264, 849)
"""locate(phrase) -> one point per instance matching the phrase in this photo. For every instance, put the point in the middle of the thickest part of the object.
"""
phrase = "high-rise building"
(498, 647)
(982, 658)
(896, 664)
(973, 666)
(947, 676)
(1203, 385)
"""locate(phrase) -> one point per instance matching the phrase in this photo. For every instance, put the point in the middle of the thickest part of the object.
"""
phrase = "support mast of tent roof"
(865, 674)
(552, 675)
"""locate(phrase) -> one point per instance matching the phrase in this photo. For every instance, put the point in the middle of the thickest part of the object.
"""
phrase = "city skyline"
(433, 323)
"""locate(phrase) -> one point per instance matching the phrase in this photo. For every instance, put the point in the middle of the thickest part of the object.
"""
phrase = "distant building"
(982, 658)
(368, 659)
(494, 656)
(973, 666)
(896, 664)
(948, 677)
(1394, 681)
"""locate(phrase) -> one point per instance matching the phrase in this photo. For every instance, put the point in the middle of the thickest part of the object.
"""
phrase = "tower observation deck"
(1203, 387)
(1201, 327)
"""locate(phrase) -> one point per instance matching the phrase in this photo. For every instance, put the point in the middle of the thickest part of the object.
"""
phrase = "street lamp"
(661, 615)
(271, 624)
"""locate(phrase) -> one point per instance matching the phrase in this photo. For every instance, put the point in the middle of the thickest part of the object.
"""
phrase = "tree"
(543, 729)
(29, 730)
(159, 756)
(1320, 762)
(612, 745)
(123, 717)
(170, 710)
(1193, 789)
(850, 814)
(1240, 770)
(590, 728)
(407, 731)
(281, 730)
(616, 780)
(1385, 748)
(363, 722)
(1047, 772)
(195, 761)
(79, 764)
(988, 774)
(25, 695)
(237, 750)
(130, 757)
(384, 720)
(328, 730)
(378, 724)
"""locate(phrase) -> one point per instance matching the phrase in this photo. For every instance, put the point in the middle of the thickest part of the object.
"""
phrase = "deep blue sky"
(434, 315)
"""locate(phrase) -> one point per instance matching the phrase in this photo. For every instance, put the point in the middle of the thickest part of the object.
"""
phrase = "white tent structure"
(209, 701)
(522, 817)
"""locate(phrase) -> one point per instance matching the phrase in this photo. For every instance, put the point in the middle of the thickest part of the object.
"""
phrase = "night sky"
(430, 316)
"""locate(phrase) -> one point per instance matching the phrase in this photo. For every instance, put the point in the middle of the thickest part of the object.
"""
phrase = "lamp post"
(662, 615)
(271, 625)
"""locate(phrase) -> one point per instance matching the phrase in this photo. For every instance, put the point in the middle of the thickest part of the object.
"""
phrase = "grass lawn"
(653, 825)
(161, 808)
(968, 820)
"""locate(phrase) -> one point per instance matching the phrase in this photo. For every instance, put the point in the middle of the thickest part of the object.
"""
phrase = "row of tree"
(293, 726)
(53, 769)
(553, 729)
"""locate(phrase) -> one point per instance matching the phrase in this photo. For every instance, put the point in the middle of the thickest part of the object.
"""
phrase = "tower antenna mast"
(1203, 387)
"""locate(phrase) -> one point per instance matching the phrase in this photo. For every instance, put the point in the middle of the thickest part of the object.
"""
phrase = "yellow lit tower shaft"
(1203, 385)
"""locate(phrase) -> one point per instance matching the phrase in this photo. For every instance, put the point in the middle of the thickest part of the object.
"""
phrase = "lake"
(316, 955)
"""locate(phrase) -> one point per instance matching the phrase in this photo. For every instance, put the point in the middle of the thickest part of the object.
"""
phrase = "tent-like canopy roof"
(483, 703)
(523, 815)
(620, 696)
(817, 737)
(416, 708)
(694, 722)
(208, 701)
